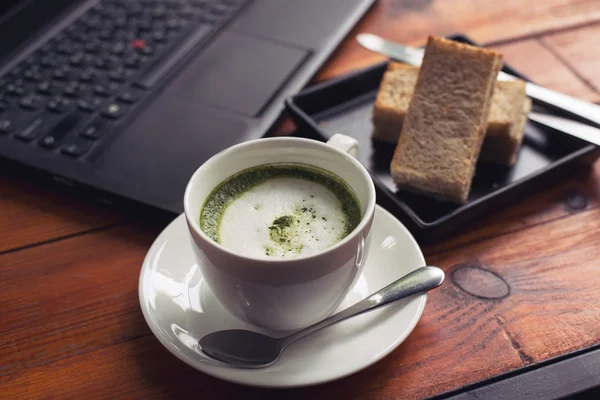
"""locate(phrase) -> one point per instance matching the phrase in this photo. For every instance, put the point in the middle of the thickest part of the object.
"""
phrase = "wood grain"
(33, 213)
(578, 48)
(551, 270)
(83, 299)
(523, 285)
(103, 334)
(534, 60)
(485, 21)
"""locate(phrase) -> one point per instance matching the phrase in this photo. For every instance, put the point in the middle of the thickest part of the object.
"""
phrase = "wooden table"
(71, 326)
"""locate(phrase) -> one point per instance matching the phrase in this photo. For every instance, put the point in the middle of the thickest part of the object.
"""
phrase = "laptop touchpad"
(238, 73)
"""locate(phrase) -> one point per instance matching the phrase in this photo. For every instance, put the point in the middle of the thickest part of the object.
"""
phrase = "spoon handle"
(418, 281)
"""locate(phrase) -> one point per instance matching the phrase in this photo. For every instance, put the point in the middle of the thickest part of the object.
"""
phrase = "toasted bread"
(446, 121)
(393, 98)
(504, 130)
(506, 123)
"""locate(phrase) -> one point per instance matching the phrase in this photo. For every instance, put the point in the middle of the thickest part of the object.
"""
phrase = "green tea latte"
(280, 211)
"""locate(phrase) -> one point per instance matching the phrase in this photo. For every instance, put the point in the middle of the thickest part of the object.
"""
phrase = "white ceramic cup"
(292, 293)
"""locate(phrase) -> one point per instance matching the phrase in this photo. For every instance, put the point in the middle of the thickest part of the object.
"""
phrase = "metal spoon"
(249, 349)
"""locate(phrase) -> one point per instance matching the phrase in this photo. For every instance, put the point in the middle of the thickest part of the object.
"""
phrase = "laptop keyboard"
(76, 89)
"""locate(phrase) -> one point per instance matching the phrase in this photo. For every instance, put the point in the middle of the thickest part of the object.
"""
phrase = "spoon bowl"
(242, 347)
(248, 349)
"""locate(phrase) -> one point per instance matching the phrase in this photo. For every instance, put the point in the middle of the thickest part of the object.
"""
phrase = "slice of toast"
(393, 98)
(506, 123)
(504, 132)
(446, 121)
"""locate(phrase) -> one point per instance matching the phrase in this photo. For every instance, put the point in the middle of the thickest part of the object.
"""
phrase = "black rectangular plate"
(344, 105)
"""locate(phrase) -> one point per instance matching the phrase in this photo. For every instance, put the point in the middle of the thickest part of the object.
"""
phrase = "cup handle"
(344, 143)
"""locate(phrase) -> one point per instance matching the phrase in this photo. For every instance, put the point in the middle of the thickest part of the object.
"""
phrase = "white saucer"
(180, 309)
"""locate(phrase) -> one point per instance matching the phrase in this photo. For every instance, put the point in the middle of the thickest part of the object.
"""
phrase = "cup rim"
(369, 211)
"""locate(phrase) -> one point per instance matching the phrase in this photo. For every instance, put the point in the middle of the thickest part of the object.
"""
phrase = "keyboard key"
(92, 22)
(159, 36)
(16, 72)
(220, 9)
(189, 11)
(100, 63)
(144, 25)
(16, 119)
(46, 87)
(49, 61)
(88, 60)
(138, 44)
(97, 129)
(75, 89)
(62, 129)
(174, 24)
(130, 96)
(5, 125)
(121, 75)
(67, 48)
(133, 61)
(3, 106)
(14, 90)
(105, 34)
(111, 62)
(46, 49)
(59, 104)
(93, 46)
(146, 50)
(101, 90)
(115, 110)
(31, 132)
(118, 48)
(76, 147)
(49, 142)
(60, 74)
(32, 75)
(34, 130)
(120, 22)
(88, 75)
(76, 59)
(31, 102)
(71, 90)
(91, 104)
(33, 59)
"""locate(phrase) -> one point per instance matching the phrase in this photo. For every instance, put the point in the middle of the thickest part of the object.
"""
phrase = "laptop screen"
(9, 6)
(22, 19)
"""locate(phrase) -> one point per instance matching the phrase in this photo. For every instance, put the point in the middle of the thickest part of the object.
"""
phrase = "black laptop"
(129, 97)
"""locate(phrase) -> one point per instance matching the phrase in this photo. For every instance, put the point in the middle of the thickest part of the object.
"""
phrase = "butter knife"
(410, 55)
(573, 128)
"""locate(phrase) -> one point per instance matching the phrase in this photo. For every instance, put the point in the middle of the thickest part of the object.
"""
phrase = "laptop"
(129, 97)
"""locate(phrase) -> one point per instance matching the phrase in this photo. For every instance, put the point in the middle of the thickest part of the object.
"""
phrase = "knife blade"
(573, 128)
(410, 55)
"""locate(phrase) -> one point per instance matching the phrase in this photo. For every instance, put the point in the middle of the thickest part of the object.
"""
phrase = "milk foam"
(306, 213)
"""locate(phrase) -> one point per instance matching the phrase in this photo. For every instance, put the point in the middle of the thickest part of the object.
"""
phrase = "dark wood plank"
(574, 376)
(534, 60)
(33, 213)
(71, 296)
(579, 49)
